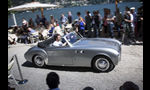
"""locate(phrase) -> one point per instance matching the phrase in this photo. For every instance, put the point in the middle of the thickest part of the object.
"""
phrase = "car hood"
(98, 42)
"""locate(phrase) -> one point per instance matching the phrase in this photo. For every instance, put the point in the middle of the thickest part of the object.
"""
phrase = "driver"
(57, 41)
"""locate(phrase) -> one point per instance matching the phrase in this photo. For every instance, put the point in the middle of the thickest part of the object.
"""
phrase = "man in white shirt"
(24, 22)
(130, 21)
(57, 41)
(131, 26)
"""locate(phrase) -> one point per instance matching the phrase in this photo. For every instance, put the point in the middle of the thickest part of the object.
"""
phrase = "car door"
(62, 55)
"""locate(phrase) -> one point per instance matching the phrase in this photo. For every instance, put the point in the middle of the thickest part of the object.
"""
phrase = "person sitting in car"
(57, 41)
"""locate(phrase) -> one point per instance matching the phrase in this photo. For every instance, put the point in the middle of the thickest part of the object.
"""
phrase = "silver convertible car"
(102, 54)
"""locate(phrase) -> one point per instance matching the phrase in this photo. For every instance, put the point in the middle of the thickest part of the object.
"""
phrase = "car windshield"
(73, 37)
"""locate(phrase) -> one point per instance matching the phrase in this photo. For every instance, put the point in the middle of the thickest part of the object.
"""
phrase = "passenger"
(52, 80)
(57, 42)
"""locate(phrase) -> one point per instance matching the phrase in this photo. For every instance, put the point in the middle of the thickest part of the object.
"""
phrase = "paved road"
(130, 68)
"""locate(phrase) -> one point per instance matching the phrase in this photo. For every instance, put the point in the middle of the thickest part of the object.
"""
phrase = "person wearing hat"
(134, 19)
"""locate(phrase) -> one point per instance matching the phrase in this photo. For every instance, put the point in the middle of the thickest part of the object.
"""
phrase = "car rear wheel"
(102, 64)
(39, 61)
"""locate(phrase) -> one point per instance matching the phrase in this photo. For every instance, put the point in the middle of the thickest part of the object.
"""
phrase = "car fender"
(29, 55)
(111, 54)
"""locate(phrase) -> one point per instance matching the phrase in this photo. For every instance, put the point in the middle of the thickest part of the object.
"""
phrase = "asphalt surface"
(130, 68)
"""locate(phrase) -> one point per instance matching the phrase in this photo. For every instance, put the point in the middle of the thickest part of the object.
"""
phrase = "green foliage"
(9, 6)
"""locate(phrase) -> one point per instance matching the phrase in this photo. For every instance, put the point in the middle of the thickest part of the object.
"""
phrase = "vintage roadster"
(102, 54)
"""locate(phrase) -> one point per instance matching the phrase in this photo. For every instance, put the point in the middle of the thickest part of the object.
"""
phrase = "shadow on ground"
(62, 68)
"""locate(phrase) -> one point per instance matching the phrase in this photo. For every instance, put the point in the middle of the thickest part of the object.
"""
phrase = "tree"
(9, 5)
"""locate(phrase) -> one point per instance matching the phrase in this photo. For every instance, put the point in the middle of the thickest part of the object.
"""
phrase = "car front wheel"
(39, 61)
(102, 64)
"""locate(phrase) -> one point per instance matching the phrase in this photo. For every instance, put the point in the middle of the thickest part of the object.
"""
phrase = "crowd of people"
(92, 23)
(53, 81)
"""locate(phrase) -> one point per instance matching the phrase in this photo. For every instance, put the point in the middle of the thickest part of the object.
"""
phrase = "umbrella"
(31, 7)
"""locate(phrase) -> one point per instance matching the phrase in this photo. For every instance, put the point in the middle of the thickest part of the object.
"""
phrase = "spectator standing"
(95, 23)
(99, 21)
(134, 20)
(88, 23)
(70, 18)
(63, 21)
(140, 23)
(131, 27)
(79, 15)
(105, 24)
(125, 12)
(77, 27)
(52, 20)
(81, 24)
(31, 23)
(43, 20)
(118, 21)
(52, 80)
(110, 20)
(37, 20)
(86, 13)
